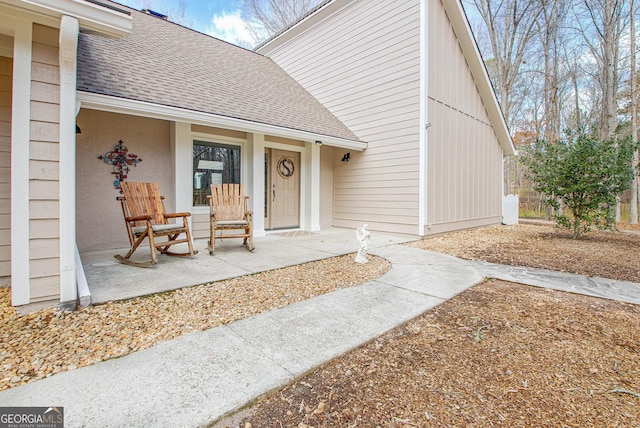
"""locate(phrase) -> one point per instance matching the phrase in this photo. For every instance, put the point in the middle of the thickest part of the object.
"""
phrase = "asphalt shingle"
(164, 63)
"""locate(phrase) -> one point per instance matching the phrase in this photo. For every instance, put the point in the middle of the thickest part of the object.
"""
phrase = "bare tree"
(268, 17)
(550, 23)
(602, 25)
(511, 26)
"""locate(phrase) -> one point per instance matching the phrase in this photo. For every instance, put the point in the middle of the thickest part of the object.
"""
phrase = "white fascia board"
(96, 18)
(111, 104)
(469, 47)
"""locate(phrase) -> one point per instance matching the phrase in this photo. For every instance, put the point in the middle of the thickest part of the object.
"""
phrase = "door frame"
(269, 174)
(309, 179)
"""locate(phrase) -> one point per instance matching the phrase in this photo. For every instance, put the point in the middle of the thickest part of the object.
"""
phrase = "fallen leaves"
(604, 254)
(499, 354)
(519, 374)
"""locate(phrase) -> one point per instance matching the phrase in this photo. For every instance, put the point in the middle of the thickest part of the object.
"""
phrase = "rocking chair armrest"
(176, 215)
(138, 218)
(248, 213)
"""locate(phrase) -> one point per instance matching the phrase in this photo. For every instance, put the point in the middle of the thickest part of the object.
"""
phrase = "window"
(213, 163)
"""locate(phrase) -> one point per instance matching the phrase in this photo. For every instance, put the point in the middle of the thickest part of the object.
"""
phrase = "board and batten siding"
(464, 172)
(6, 81)
(44, 223)
(363, 64)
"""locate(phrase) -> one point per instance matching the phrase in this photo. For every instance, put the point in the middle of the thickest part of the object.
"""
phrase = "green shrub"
(581, 174)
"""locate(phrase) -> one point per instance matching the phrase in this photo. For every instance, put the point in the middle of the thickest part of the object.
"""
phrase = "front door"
(284, 194)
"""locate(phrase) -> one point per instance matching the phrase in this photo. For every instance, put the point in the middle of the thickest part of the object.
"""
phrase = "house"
(407, 78)
(375, 112)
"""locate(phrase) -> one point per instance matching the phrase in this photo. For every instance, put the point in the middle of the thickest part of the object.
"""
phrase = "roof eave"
(325, 10)
(92, 16)
(113, 104)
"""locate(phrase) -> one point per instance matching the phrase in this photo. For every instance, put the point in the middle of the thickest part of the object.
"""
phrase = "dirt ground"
(499, 354)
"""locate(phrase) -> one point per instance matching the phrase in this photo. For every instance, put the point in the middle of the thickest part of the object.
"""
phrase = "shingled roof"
(163, 63)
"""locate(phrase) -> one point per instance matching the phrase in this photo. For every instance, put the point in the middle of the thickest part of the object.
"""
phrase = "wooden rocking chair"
(144, 215)
(228, 211)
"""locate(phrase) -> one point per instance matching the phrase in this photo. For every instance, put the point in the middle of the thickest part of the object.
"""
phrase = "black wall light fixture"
(346, 157)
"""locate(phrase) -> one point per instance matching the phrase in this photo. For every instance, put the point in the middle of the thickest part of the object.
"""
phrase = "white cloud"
(231, 27)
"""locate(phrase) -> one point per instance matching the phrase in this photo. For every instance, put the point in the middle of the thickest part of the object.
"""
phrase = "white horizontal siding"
(6, 65)
(44, 167)
(363, 65)
(369, 25)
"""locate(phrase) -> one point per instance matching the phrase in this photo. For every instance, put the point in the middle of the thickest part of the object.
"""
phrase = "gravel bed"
(42, 343)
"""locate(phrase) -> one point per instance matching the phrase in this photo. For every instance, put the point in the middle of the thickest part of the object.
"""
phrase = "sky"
(218, 18)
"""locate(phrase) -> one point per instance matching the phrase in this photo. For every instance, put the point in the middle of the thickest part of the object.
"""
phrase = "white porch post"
(181, 146)
(256, 187)
(20, 136)
(312, 186)
(69, 29)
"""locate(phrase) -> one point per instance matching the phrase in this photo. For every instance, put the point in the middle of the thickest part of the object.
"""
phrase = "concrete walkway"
(109, 280)
(198, 378)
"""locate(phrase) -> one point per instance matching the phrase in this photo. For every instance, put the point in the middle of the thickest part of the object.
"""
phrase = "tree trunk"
(576, 93)
(551, 15)
(609, 81)
(633, 213)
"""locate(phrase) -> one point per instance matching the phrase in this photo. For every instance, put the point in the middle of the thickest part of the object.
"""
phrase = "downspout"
(424, 118)
(69, 30)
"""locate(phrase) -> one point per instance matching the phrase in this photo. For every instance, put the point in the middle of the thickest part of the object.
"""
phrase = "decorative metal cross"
(121, 159)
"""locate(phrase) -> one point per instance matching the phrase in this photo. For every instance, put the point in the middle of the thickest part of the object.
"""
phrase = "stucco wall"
(100, 224)
(6, 65)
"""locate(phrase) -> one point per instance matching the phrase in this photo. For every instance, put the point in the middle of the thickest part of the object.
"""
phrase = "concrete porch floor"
(109, 280)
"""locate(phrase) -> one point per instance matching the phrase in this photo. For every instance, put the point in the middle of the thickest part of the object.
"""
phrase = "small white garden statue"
(362, 234)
